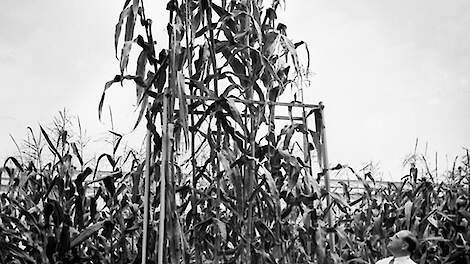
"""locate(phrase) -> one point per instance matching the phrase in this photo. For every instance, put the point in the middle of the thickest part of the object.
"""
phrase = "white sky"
(388, 72)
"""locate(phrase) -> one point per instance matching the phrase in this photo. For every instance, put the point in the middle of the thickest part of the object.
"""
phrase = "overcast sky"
(388, 72)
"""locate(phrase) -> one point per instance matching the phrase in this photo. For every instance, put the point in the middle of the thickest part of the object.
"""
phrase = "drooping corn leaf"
(126, 49)
(140, 71)
(124, 14)
(110, 160)
(51, 146)
(108, 84)
(85, 234)
(15, 161)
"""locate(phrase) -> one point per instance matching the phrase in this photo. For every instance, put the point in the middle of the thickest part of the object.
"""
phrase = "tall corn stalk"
(239, 188)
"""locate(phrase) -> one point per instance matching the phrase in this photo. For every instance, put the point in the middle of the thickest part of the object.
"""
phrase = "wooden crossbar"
(295, 118)
(245, 101)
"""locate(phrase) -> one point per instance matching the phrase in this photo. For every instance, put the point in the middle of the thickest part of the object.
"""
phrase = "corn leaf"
(51, 146)
(108, 84)
(85, 234)
(117, 32)
(126, 49)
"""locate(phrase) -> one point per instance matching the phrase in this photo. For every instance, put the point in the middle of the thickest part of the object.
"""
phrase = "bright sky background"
(388, 72)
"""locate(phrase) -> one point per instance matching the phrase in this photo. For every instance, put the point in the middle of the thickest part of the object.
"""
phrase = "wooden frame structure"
(168, 153)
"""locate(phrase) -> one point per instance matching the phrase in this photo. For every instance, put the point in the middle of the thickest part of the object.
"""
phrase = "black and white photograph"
(234, 131)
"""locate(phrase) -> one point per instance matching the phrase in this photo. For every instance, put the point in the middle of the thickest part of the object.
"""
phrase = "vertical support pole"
(307, 158)
(215, 164)
(166, 145)
(326, 171)
(189, 46)
(250, 171)
(164, 169)
(146, 195)
(271, 147)
(163, 173)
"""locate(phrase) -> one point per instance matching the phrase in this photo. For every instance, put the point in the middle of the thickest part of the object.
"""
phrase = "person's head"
(403, 243)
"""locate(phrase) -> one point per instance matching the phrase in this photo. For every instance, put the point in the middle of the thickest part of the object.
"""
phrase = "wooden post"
(326, 171)
(163, 173)
(164, 166)
(250, 169)
(307, 159)
(189, 46)
(146, 195)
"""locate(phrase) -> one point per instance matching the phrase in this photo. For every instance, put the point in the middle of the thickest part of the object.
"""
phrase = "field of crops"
(226, 176)
(53, 214)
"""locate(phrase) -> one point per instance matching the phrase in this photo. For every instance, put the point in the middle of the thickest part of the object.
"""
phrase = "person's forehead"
(402, 234)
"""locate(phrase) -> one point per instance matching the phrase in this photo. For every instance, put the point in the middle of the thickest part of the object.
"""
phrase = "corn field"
(232, 173)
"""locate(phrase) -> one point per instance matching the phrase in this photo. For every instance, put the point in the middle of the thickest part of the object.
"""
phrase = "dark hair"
(411, 241)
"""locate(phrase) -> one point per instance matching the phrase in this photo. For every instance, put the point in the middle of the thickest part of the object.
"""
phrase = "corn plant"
(57, 213)
(437, 212)
(239, 195)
